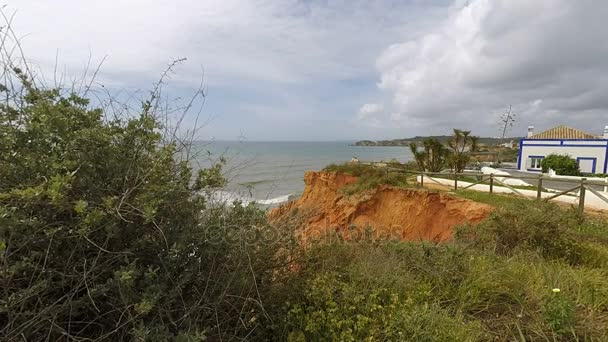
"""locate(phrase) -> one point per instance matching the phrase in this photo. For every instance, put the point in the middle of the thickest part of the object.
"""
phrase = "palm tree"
(432, 157)
(419, 156)
(462, 144)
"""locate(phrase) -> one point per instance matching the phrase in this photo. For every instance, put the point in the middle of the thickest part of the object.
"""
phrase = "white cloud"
(272, 60)
(371, 114)
(282, 41)
(546, 58)
(440, 65)
(369, 110)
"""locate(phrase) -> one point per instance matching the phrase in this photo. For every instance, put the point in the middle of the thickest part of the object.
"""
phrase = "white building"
(590, 151)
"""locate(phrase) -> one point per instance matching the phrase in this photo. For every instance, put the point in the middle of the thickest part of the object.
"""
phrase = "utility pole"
(506, 122)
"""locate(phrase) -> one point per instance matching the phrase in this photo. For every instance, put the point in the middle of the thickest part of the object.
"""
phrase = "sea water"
(270, 173)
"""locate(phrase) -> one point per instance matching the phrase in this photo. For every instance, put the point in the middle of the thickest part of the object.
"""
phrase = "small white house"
(590, 151)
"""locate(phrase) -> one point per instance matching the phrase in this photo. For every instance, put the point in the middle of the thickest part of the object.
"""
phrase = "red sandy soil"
(406, 214)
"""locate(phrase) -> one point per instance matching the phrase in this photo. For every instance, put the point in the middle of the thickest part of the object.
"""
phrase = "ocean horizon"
(272, 172)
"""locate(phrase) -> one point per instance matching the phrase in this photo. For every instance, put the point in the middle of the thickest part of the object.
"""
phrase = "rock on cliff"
(406, 214)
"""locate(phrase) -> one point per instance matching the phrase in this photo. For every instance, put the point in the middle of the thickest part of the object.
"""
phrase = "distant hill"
(418, 139)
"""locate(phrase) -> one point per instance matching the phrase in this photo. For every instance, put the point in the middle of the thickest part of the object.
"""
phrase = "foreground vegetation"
(528, 273)
(106, 233)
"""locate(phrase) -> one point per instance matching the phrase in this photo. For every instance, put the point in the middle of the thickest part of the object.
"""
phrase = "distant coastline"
(418, 139)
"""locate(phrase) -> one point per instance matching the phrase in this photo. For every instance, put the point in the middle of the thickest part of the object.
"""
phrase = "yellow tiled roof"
(563, 132)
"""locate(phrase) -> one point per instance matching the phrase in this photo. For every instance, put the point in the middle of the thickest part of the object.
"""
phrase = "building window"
(535, 162)
(586, 164)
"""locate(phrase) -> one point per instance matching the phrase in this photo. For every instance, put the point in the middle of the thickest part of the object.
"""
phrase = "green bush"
(336, 309)
(542, 227)
(104, 233)
(561, 164)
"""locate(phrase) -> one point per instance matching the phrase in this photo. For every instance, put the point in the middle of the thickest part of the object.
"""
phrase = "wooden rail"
(579, 190)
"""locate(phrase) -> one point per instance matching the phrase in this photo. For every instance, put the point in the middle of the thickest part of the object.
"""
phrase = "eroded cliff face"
(407, 214)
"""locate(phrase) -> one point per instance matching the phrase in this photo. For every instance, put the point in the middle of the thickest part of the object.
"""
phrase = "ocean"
(272, 172)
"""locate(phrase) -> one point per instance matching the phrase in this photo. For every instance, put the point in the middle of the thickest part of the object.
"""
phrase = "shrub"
(561, 164)
(543, 227)
(341, 310)
(104, 233)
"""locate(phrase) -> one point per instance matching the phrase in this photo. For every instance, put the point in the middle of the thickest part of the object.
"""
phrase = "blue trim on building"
(566, 145)
(606, 161)
(598, 139)
(542, 144)
(578, 159)
(534, 170)
(521, 148)
(563, 141)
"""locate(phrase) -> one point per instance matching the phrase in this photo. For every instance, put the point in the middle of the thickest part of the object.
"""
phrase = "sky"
(322, 70)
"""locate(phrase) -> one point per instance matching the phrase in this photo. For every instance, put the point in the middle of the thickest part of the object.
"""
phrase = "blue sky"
(340, 69)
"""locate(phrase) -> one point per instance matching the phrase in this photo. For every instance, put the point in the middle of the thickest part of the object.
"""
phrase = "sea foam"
(228, 197)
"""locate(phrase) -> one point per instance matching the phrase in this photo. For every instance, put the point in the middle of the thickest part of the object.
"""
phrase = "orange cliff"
(406, 214)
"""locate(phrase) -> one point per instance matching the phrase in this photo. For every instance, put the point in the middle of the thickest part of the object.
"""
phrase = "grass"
(469, 179)
(498, 200)
(530, 272)
(598, 175)
(528, 187)
(473, 179)
(369, 177)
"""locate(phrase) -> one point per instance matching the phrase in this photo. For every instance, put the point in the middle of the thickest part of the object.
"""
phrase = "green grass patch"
(499, 200)
(369, 177)
(475, 179)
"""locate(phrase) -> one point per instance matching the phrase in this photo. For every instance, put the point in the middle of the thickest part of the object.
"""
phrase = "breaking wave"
(227, 197)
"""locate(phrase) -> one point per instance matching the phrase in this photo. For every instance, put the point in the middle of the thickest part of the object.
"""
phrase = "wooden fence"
(581, 186)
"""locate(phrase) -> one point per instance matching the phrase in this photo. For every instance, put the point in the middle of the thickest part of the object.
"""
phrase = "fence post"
(455, 180)
(491, 182)
(581, 200)
(540, 187)
(422, 179)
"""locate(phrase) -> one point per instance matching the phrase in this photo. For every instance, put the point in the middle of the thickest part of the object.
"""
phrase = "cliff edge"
(406, 214)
